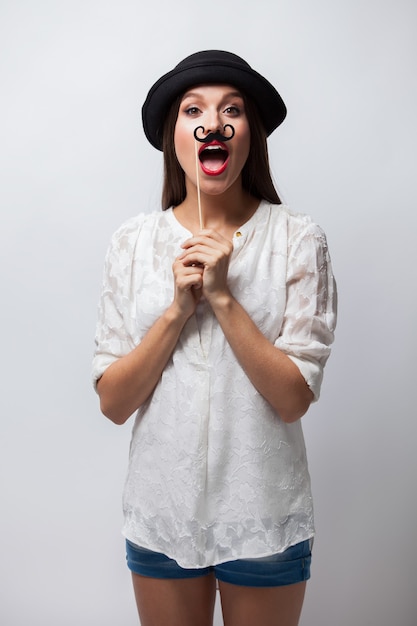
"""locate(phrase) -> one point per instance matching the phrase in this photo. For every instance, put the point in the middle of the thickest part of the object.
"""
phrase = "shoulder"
(298, 225)
(296, 221)
(139, 227)
(304, 237)
(129, 230)
(124, 241)
(301, 226)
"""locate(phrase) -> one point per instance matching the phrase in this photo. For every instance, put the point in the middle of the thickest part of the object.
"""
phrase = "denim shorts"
(285, 568)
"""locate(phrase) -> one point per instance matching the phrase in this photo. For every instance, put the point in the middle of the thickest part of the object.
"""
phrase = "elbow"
(289, 416)
(117, 417)
(295, 410)
(109, 408)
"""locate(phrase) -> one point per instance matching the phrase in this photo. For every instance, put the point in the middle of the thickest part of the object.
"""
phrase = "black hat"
(210, 66)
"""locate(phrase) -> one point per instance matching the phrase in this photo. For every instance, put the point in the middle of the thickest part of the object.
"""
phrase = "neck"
(221, 212)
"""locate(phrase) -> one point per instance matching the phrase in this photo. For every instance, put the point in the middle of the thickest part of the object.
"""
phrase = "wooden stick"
(197, 171)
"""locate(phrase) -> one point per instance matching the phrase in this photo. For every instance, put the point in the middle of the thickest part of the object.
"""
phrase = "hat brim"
(270, 104)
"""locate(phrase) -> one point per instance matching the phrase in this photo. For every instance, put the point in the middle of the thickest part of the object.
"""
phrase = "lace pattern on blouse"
(214, 474)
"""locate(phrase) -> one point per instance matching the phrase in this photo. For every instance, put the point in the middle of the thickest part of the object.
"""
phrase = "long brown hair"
(256, 174)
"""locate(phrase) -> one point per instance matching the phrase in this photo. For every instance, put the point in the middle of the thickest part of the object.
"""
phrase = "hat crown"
(212, 57)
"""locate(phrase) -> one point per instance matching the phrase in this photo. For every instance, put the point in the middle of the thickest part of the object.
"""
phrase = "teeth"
(213, 148)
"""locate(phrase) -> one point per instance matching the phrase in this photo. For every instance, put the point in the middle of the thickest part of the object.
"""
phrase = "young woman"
(216, 335)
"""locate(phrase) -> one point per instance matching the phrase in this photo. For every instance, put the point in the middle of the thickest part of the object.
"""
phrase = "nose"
(213, 122)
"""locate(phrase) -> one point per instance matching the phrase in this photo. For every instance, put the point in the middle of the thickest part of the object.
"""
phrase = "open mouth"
(213, 158)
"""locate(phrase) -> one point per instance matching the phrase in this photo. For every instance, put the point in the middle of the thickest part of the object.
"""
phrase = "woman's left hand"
(212, 251)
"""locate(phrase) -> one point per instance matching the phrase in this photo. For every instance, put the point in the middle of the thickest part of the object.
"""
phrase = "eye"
(233, 110)
(192, 110)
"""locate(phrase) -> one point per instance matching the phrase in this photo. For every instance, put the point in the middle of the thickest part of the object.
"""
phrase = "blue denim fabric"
(285, 568)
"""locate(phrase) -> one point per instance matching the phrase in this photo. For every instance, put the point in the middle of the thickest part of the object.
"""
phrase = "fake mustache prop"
(214, 136)
(211, 137)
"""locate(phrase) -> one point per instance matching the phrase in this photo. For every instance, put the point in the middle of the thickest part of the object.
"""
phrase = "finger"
(192, 282)
(207, 236)
(206, 245)
(203, 257)
(185, 275)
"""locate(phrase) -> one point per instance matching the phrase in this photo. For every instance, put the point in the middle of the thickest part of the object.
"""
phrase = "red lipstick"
(214, 158)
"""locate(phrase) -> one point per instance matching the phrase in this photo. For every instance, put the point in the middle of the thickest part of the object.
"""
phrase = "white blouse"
(214, 473)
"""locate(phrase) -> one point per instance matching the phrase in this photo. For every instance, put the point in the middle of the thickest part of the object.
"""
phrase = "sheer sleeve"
(114, 330)
(311, 308)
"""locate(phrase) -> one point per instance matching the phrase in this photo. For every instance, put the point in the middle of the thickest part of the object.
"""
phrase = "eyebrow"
(196, 94)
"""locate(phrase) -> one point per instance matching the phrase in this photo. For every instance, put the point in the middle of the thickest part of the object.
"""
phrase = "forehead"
(218, 90)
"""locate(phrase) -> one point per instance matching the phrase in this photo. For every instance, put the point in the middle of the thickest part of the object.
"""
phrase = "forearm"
(271, 371)
(128, 382)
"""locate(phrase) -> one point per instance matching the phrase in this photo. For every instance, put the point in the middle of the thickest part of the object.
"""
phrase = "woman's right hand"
(188, 287)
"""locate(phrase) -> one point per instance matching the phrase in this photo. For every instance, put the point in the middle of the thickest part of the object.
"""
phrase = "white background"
(74, 164)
